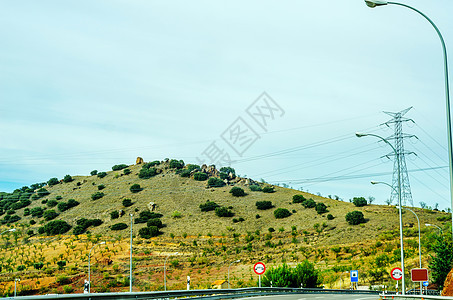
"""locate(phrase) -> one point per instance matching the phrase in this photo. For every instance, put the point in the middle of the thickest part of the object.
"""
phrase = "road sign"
(418, 275)
(425, 283)
(396, 273)
(259, 268)
(354, 276)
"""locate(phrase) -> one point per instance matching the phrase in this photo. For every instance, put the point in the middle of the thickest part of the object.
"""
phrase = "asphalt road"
(316, 297)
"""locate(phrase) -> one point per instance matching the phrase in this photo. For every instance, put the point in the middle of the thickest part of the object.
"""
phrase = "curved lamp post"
(236, 261)
(441, 232)
(403, 287)
(9, 230)
(374, 3)
(165, 270)
(89, 270)
(130, 263)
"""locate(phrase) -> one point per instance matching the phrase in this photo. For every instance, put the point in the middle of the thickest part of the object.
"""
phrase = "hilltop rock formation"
(139, 160)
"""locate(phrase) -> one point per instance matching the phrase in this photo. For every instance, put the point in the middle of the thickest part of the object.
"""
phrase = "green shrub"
(102, 174)
(94, 172)
(36, 212)
(127, 171)
(281, 213)
(118, 226)
(271, 229)
(215, 182)
(310, 203)
(155, 222)
(298, 199)
(119, 167)
(359, 201)
(149, 232)
(321, 208)
(191, 167)
(21, 268)
(255, 188)
(135, 188)
(304, 274)
(58, 197)
(264, 205)
(127, 202)
(237, 191)
(330, 217)
(208, 206)
(56, 227)
(42, 192)
(176, 164)
(50, 215)
(228, 170)
(38, 265)
(114, 215)
(355, 217)
(53, 181)
(268, 189)
(61, 264)
(67, 178)
(147, 172)
(176, 215)
(185, 173)
(96, 196)
(200, 176)
(146, 215)
(101, 187)
(26, 212)
(223, 212)
(32, 222)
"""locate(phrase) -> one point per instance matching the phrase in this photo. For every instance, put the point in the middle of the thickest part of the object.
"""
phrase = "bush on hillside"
(200, 176)
(223, 212)
(304, 274)
(149, 232)
(52, 203)
(127, 202)
(298, 199)
(237, 191)
(118, 226)
(144, 216)
(135, 188)
(359, 201)
(50, 214)
(255, 188)
(330, 217)
(114, 215)
(102, 174)
(264, 205)
(42, 192)
(53, 181)
(101, 187)
(321, 208)
(215, 182)
(155, 222)
(67, 178)
(127, 171)
(55, 227)
(309, 203)
(37, 212)
(176, 164)
(96, 196)
(147, 171)
(268, 189)
(228, 170)
(208, 206)
(281, 213)
(355, 217)
(94, 172)
(119, 167)
(185, 173)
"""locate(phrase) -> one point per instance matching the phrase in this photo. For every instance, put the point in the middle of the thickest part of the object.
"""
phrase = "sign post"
(188, 282)
(354, 278)
(259, 268)
(396, 274)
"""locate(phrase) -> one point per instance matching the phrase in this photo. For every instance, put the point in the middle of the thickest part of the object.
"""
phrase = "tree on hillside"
(442, 260)
(359, 201)
(303, 274)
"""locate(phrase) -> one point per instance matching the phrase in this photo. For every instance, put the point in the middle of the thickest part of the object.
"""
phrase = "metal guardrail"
(388, 296)
(211, 294)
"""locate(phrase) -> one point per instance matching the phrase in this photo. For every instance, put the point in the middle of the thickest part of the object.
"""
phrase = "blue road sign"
(354, 276)
(425, 283)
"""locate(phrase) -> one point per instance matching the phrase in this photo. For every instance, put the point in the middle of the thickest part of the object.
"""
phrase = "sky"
(275, 89)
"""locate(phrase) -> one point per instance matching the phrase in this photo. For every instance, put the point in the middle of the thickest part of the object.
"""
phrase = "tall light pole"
(89, 270)
(374, 3)
(9, 230)
(15, 283)
(165, 270)
(130, 270)
(403, 287)
(236, 261)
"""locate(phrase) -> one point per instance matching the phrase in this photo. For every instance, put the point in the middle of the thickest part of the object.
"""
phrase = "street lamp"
(374, 3)
(441, 232)
(9, 230)
(399, 202)
(165, 270)
(89, 271)
(130, 270)
(236, 261)
(15, 281)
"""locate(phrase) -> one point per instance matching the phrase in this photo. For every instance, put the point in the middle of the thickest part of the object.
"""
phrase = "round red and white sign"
(259, 268)
(396, 273)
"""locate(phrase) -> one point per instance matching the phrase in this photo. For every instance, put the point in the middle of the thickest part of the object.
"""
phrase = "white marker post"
(188, 282)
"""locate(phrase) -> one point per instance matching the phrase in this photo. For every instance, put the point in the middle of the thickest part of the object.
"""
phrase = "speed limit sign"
(396, 273)
(259, 268)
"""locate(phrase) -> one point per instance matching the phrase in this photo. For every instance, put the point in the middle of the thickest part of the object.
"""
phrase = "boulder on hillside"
(139, 160)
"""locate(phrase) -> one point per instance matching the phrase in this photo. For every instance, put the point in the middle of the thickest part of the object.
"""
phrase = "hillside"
(202, 239)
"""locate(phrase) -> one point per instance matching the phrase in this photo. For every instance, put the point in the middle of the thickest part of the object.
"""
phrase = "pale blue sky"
(88, 84)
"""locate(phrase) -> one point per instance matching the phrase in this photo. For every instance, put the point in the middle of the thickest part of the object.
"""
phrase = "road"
(316, 297)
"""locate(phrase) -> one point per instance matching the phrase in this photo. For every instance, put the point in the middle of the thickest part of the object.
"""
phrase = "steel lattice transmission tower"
(398, 137)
